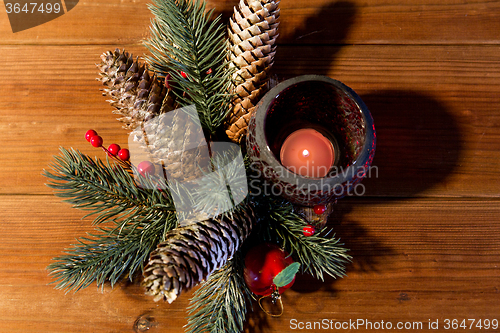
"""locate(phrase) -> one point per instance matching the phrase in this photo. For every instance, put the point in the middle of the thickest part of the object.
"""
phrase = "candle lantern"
(312, 139)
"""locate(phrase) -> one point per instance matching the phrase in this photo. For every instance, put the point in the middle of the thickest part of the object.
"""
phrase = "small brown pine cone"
(191, 253)
(252, 34)
(137, 95)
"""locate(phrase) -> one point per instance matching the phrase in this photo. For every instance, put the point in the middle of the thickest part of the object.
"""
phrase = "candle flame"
(305, 153)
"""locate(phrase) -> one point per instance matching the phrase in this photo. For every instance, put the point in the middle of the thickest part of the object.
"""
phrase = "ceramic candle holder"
(331, 108)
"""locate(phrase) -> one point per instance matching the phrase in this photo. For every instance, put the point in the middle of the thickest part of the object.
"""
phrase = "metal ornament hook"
(275, 298)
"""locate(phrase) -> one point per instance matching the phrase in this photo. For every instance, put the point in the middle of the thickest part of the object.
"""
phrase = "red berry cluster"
(113, 150)
(116, 152)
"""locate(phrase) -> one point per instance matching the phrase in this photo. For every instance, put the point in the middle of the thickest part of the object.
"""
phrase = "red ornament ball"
(146, 167)
(262, 264)
(308, 230)
(96, 141)
(113, 149)
(184, 75)
(319, 209)
(90, 133)
(124, 154)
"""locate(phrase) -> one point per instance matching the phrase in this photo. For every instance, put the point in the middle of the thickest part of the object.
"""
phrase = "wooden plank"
(50, 100)
(89, 22)
(302, 22)
(435, 110)
(413, 261)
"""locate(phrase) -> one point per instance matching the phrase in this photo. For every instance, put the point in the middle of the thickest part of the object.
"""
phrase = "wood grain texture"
(302, 22)
(425, 234)
(413, 260)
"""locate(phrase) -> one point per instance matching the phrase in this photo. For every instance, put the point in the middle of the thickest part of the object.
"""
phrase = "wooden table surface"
(425, 236)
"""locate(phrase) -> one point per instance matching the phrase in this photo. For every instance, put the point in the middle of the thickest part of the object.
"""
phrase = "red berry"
(184, 75)
(90, 134)
(209, 71)
(146, 167)
(262, 264)
(169, 82)
(96, 141)
(124, 154)
(113, 149)
(319, 209)
(308, 230)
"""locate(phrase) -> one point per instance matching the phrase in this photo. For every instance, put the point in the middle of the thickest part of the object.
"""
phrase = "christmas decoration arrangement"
(164, 212)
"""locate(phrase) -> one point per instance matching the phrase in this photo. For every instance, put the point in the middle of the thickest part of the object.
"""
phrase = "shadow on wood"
(330, 25)
(418, 143)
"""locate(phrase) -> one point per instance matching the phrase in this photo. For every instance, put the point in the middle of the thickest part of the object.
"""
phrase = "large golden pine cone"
(252, 34)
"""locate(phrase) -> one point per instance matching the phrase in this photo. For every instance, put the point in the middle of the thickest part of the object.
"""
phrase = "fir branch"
(109, 255)
(318, 254)
(139, 218)
(220, 304)
(185, 38)
(223, 189)
(108, 191)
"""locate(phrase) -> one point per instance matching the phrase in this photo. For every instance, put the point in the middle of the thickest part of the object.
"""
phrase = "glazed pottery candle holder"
(304, 125)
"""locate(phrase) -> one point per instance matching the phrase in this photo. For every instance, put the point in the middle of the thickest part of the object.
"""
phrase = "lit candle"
(308, 153)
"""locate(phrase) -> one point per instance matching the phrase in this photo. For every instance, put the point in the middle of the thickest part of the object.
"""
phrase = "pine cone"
(252, 34)
(190, 254)
(136, 95)
(176, 143)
